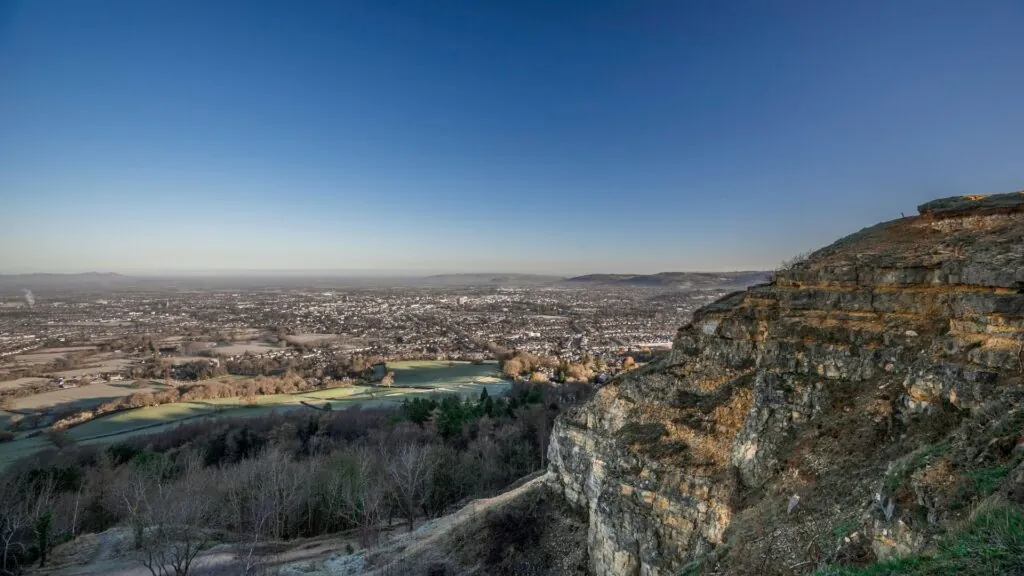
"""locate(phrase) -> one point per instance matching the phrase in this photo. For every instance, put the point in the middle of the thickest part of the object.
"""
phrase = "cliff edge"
(854, 409)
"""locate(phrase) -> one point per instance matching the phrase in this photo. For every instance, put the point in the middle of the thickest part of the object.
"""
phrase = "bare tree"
(44, 488)
(282, 481)
(362, 496)
(176, 526)
(134, 499)
(249, 504)
(14, 519)
(407, 469)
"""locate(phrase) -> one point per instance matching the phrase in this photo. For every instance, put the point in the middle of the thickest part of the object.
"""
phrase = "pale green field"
(347, 392)
(411, 379)
(17, 449)
(138, 418)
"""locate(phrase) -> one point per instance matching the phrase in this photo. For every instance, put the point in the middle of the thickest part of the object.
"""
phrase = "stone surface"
(977, 202)
(812, 385)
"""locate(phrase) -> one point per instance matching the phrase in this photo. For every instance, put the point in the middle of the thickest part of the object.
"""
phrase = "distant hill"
(15, 283)
(500, 279)
(691, 280)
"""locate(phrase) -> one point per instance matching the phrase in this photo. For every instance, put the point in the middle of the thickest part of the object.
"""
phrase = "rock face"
(830, 416)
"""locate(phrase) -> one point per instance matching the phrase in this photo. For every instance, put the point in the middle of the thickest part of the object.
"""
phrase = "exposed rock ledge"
(857, 389)
(978, 204)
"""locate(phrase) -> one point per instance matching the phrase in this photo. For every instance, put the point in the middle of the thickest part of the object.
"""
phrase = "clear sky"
(564, 137)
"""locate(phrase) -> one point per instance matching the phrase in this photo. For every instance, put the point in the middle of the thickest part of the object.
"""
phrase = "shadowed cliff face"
(831, 416)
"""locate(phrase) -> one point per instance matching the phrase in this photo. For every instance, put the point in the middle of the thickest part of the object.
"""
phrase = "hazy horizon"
(341, 273)
(528, 137)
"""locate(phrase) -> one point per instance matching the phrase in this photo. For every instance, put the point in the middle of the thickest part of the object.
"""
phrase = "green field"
(411, 379)
(440, 374)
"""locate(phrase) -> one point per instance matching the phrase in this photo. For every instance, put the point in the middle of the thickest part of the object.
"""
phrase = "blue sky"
(562, 137)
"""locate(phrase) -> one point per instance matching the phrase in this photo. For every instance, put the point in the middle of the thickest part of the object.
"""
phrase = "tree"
(252, 499)
(45, 488)
(388, 379)
(41, 530)
(447, 480)
(449, 421)
(13, 520)
(419, 410)
(60, 438)
(407, 469)
(512, 367)
(537, 418)
(173, 529)
(486, 404)
(361, 496)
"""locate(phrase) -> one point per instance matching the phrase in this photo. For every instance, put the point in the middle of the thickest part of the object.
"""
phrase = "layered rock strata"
(781, 410)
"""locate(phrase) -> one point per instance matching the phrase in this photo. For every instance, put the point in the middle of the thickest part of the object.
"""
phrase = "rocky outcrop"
(829, 416)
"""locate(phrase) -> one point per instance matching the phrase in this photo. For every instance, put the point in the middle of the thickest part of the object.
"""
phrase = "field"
(447, 376)
(310, 338)
(90, 363)
(97, 365)
(81, 396)
(18, 382)
(242, 348)
(411, 379)
(44, 355)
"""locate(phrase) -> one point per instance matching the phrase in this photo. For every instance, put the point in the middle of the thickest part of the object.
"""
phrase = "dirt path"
(108, 553)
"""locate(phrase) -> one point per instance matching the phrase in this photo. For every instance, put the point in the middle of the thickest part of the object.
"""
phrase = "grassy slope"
(991, 543)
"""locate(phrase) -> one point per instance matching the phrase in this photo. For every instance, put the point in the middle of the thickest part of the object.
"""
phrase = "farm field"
(44, 355)
(19, 382)
(411, 379)
(241, 348)
(82, 396)
(310, 338)
(89, 363)
(97, 366)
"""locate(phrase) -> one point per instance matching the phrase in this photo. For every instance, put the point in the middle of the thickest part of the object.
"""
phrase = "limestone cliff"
(839, 414)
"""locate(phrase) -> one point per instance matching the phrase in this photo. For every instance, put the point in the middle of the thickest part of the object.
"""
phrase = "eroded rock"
(811, 386)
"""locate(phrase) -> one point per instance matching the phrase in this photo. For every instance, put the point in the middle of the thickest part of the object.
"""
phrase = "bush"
(6, 435)
(59, 438)
(789, 264)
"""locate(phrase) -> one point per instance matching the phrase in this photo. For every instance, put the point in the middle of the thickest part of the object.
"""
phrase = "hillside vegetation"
(293, 475)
